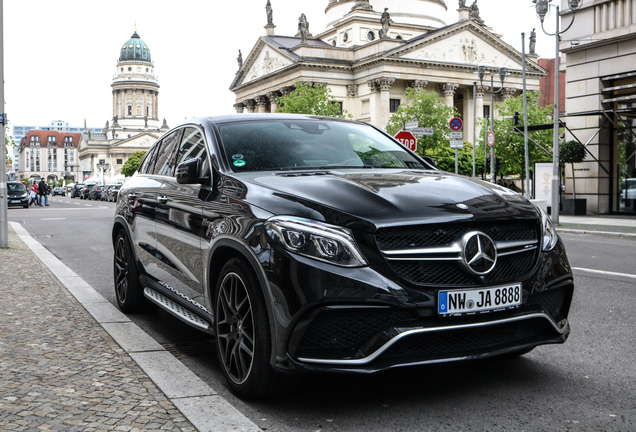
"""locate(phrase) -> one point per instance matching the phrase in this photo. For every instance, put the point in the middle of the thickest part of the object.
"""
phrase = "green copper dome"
(135, 49)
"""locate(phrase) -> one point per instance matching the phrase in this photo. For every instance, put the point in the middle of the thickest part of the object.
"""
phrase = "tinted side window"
(165, 159)
(192, 147)
(149, 160)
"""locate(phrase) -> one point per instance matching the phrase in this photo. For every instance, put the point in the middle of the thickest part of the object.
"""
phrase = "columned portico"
(448, 90)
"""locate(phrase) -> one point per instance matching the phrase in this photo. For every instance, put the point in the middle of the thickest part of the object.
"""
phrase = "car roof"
(233, 118)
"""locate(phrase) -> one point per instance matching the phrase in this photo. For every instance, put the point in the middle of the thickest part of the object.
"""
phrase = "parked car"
(77, 190)
(85, 190)
(58, 191)
(310, 244)
(17, 194)
(96, 192)
(111, 192)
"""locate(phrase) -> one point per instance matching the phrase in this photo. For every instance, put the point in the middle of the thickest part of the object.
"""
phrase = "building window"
(394, 104)
(370, 35)
(486, 111)
(129, 110)
(120, 161)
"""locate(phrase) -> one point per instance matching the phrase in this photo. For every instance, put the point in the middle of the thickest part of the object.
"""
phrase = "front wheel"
(243, 336)
(128, 290)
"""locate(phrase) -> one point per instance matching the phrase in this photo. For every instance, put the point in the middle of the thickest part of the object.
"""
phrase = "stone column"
(157, 105)
(449, 93)
(114, 103)
(263, 103)
(384, 84)
(273, 96)
(239, 107)
(251, 105)
(419, 85)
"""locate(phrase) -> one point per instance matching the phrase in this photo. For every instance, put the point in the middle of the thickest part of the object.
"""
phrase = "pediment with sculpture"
(267, 61)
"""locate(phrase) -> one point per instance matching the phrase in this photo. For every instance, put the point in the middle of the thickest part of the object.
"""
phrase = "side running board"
(176, 309)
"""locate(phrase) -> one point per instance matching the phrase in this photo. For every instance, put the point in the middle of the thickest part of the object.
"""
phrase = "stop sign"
(407, 139)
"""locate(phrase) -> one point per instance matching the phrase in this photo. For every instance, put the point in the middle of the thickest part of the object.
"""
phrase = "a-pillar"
(273, 100)
(384, 84)
(239, 107)
(449, 93)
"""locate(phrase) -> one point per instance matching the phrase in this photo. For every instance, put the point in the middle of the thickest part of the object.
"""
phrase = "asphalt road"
(587, 384)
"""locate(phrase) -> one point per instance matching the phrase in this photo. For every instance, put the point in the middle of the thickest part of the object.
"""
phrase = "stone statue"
(85, 128)
(474, 13)
(106, 127)
(462, 4)
(362, 4)
(533, 41)
(385, 20)
(115, 123)
(239, 59)
(303, 28)
(146, 121)
(270, 14)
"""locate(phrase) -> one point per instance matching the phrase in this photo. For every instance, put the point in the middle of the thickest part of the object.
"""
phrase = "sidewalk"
(69, 360)
(623, 226)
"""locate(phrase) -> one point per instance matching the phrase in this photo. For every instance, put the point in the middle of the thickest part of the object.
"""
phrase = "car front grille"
(471, 341)
(426, 269)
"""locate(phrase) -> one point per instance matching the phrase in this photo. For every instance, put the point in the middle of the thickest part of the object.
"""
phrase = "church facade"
(135, 124)
(372, 50)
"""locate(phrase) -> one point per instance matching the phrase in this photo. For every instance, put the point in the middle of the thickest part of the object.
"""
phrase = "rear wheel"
(243, 336)
(128, 290)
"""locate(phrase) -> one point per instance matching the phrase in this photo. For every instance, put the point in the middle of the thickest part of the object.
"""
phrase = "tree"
(509, 144)
(308, 98)
(132, 163)
(572, 152)
(430, 111)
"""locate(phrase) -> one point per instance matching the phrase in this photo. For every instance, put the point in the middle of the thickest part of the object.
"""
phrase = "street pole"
(492, 128)
(556, 177)
(4, 203)
(474, 123)
(525, 115)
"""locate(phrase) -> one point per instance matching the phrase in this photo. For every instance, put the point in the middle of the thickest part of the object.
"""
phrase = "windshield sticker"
(237, 156)
(239, 163)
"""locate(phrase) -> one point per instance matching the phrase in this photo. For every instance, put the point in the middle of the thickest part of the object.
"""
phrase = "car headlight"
(316, 240)
(24, 195)
(550, 237)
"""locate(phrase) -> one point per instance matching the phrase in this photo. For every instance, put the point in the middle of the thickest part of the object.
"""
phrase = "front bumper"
(357, 320)
(17, 202)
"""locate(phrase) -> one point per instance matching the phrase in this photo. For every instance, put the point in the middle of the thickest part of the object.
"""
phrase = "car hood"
(370, 199)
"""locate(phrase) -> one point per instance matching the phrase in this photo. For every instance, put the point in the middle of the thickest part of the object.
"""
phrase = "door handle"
(162, 199)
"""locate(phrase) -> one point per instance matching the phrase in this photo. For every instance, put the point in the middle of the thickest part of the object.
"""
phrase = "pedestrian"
(34, 196)
(43, 192)
(512, 186)
(35, 189)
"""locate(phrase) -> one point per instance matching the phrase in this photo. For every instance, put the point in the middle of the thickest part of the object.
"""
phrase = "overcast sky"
(60, 56)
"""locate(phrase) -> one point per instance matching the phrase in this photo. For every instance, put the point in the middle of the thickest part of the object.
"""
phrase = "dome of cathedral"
(135, 49)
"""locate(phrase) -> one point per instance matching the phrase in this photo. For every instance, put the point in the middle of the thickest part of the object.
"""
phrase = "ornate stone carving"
(286, 91)
(270, 13)
(250, 104)
(448, 89)
(352, 90)
(269, 64)
(272, 96)
(508, 93)
(386, 21)
(533, 41)
(373, 86)
(419, 84)
(362, 5)
(303, 29)
(239, 60)
(474, 14)
(239, 107)
(385, 83)
(262, 100)
(469, 52)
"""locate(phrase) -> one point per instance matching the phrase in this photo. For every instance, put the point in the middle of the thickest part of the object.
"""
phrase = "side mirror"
(189, 172)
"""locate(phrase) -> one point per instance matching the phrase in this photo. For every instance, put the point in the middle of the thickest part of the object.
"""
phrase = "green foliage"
(571, 152)
(430, 111)
(9, 144)
(132, 163)
(509, 145)
(307, 98)
(446, 159)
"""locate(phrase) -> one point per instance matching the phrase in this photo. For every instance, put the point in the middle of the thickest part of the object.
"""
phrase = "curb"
(198, 402)
(605, 233)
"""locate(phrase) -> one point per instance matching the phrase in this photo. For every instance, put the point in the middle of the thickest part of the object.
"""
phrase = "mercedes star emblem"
(479, 253)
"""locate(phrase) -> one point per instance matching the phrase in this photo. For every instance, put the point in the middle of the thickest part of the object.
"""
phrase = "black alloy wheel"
(243, 335)
(128, 290)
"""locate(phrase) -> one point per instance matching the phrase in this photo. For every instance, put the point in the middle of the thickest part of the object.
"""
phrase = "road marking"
(52, 218)
(606, 273)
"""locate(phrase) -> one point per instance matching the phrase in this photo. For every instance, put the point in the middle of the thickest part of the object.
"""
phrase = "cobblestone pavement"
(59, 370)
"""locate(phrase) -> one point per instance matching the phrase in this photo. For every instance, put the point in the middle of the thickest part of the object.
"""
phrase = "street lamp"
(542, 8)
(481, 73)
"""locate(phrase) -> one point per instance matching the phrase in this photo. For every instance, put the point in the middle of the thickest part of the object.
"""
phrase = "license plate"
(16, 201)
(479, 300)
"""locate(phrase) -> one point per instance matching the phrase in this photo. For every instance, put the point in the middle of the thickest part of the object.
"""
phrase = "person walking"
(42, 192)
(33, 195)
(35, 189)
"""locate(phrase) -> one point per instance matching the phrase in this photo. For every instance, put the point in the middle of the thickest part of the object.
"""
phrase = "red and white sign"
(407, 139)
(491, 138)
(456, 124)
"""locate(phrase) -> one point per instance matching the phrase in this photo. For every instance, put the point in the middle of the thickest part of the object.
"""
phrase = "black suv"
(315, 244)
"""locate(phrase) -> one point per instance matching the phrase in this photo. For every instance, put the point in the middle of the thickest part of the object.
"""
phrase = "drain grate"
(191, 348)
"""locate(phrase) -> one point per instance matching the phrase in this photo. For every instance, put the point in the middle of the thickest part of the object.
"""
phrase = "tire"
(128, 290)
(243, 337)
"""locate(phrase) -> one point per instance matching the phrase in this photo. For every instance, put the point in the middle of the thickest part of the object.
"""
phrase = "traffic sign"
(407, 139)
(422, 131)
(491, 138)
(457, 144)
(456, 135)
(456, 124)
(411, 125)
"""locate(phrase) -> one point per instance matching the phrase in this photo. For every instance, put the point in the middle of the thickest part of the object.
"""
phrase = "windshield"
(16, 187)
(306, 144)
